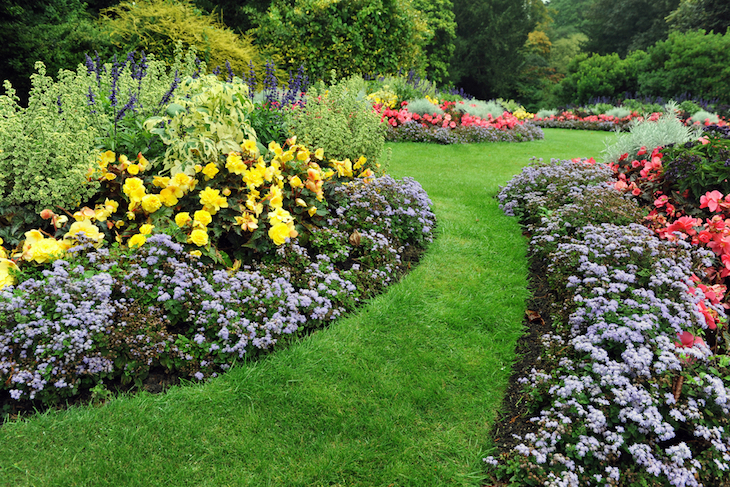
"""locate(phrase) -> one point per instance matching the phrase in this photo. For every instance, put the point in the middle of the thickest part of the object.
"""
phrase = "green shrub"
(668, 129)
(593, 76)
(439, 46)
(46, 148)
(694, 62)
(156, 26)
(601, 108)
(422, 106)
(340, 120)
(701, 116)
(207, 117)
(353, 37)
(482, 109)
(546, 113)
(690, 107)
(618, 112)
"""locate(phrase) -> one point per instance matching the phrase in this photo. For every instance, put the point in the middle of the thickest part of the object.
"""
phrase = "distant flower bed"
(569, 120)
(454, 125)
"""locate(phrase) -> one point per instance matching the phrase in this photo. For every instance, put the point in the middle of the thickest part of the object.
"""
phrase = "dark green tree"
(622, 26)
(439, 48)
(57, 32)
(710, 15)
(239, 15)
(490, 36)
(568, 17)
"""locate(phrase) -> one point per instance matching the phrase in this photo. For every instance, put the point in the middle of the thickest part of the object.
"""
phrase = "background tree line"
(539, 52)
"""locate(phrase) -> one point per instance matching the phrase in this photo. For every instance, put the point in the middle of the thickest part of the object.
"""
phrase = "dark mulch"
(515, 413)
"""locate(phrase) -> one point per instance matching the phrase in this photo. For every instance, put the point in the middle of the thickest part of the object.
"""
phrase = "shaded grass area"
(403, 392)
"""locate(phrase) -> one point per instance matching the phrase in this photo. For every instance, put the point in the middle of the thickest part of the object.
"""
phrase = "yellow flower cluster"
(384, 97)
(522, 114)
(435, 101)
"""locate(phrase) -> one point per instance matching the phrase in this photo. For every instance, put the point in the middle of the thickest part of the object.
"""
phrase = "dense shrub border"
(627, 391)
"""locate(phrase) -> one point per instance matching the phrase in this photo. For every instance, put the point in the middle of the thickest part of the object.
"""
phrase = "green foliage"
(701, 116)
(668, 129)
(490, 36)
(564, 50)
(407, 87)
(156, 26)
(694, 62)
(483, 109)
(422, 106)
(623, 26)
(544, 113)
(340, 120)
(690, 107)
(439, 47)
(710, 15)
(45, 149)
(618, 112)
(592, 76)
(208, 117)
(353, 37)
(698, 167)
(56, 32)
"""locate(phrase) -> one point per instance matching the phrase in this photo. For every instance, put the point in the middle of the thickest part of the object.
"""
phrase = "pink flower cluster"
(396, 118)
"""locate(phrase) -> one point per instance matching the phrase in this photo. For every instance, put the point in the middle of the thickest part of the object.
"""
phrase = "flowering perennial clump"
(117, 312)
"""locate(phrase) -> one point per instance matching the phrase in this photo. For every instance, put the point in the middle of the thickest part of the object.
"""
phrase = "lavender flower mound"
(412, 131)
(118, 313)
(619, 400)
(582, 125)
(547, 185)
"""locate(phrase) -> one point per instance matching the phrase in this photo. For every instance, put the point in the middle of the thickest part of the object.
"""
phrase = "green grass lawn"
(401, 393)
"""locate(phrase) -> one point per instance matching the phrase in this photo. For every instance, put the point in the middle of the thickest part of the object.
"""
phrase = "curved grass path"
(401, 393)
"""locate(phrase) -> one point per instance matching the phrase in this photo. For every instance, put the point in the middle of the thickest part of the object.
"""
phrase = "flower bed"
(455, 126)
(570, 120)
(632, 387)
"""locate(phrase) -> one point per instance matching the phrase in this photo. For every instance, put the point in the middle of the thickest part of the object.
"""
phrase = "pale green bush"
(341, 121)
(668, 129)
(482, 109)
(422, 106)
(618, 112)
(703, 115)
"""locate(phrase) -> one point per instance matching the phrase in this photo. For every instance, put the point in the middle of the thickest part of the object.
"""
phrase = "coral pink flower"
(710, 200)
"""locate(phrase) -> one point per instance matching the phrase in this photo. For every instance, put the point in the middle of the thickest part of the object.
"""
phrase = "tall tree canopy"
(709, 15)
(490, 36)
(622, 26)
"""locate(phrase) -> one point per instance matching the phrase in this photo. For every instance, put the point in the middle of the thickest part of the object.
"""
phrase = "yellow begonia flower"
(6, 279)
(31, 237)
(198, 237)
(136, 240)
(276, 197)
(360, 163)
(151, 203)
(210, 170)
(226, 191)
(275, 147)
(235, 164)
(3, 253)
(212, 200)
(146, 229)
(196, 253)
(134, 189)
(251, 147)
(202, 217)
(160, 181)
(247, 221)
(133, 169)
(296, 182)
(279, 233)
(319, 154)
(303, 154)
(312, 210)
(45, 250)
(344, 168)
(183, 182)
(89, 229)
(279, 215)
(142, 161)
(182, 219)
(105, 158)
(168, 197)
(300, 202)
(110, 176)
